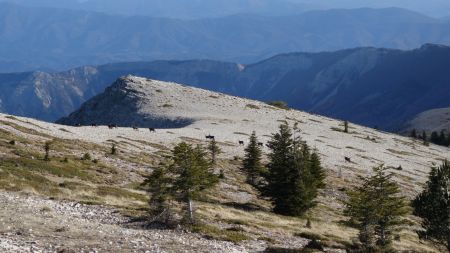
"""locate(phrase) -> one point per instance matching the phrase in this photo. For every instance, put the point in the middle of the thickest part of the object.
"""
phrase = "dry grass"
(262, 223)
(66, 175)
(252, 106)
(217, 233)
(234, 211)
(327, 220)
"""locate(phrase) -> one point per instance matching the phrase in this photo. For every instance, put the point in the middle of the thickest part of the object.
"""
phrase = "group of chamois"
(208, 137)
(112, 126)
(241, 143)
(153, 130)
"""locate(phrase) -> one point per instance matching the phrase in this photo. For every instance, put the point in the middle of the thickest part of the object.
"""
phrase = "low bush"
(279, 104)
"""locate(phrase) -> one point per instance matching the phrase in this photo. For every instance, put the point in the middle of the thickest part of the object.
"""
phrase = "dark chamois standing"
(348, 159)
(111, 126)
(135, 128)
(93, 125)
(241, 143)
(210, 137)
(152, 130)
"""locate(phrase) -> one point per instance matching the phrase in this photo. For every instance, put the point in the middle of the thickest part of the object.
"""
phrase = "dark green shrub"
(86, 157)
(279, 104)
(113, 149)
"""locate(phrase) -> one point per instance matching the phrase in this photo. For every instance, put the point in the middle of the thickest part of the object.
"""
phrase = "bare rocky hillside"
(369, 86)
(97, 203)
(431, 120)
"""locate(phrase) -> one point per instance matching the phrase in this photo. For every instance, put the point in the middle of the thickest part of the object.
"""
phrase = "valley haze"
(43, 38)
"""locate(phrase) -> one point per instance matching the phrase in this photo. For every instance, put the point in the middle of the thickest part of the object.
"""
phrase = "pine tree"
(181, 178)
(360, 210)
(303, 186)
(252, 160)
(442, 138)
(317, 170)
(434, 138)
(413, 134)
(377, 209)
(194, 175)
(292, 179)
(433, 206)
(279, 168)
(424, 138)
(391, 207)
(47, 147)
(160, 188)
(214, 150)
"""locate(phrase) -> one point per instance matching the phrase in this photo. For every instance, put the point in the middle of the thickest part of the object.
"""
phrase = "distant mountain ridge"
(435, 8)
(370, 86)
(57, 39)
(214, 8)
(183, 9)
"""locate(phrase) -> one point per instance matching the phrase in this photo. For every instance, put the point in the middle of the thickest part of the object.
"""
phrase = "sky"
(215, 8)
(435, 8)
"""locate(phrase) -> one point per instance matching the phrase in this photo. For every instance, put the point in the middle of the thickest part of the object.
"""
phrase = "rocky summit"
(137, 102)
(430, 121)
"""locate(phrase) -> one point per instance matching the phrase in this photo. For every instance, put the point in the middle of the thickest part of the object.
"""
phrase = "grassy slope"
(233, 210)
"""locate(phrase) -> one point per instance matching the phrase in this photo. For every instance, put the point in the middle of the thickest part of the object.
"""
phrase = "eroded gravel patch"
(34, 224)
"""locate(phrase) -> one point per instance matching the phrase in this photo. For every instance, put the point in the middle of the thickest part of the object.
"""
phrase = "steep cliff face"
(47, 96)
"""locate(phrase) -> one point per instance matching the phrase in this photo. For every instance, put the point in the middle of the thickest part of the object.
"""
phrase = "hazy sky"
(214, 8)
(437, 8)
